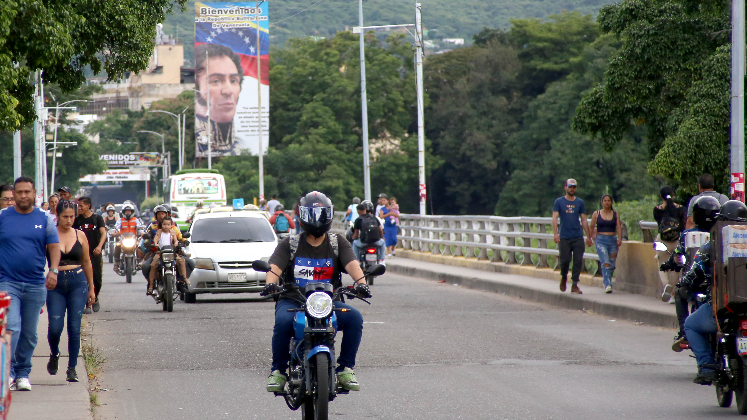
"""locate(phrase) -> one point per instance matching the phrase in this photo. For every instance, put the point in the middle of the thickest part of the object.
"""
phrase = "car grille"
(235, 264)
(227, 285)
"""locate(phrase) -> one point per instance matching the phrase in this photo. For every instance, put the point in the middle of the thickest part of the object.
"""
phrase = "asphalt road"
(429, 351)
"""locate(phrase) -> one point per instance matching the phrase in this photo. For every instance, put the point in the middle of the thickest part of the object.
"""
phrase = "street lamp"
(54, 142)
(180, 131)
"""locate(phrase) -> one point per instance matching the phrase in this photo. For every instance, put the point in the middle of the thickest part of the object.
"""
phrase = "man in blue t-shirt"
(570, 239)
(26, 235)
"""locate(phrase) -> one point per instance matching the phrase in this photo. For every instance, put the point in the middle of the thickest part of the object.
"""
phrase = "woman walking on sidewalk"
(73, 292)
(606, 230)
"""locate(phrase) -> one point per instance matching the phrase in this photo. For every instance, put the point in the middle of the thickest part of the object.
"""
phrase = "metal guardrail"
(512, 240)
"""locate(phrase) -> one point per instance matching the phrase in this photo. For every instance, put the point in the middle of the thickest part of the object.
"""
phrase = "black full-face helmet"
(733, 211)
(315, 212)
(369, 206)
(705, 211)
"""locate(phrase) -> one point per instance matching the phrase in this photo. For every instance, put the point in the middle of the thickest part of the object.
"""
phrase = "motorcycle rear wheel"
(128, 270)
(741, 388)
(724, 392)
(168, 298)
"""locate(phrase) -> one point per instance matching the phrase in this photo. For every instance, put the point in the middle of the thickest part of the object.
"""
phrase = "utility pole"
(259, 111)
(737, 100)
(421, 125)
(364, 109)
(16, 148)
(39, 140)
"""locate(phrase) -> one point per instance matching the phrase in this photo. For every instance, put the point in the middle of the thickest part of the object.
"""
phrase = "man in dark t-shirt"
(93, 226)
(315, 261)
(571, 212)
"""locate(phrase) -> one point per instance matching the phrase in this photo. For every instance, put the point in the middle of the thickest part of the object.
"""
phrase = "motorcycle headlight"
(319, 305)
(128, 242)
(167, 257)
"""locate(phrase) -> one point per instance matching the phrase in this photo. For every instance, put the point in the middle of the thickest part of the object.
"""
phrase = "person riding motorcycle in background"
(365, 212)
(110, 219)
(159, 213)
(315, 260)
(127, 224)
(698, 280)
(704, 213)
(192, 215)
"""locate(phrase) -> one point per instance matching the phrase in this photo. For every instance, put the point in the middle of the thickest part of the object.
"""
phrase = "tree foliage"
(671, 76)
(63, 38)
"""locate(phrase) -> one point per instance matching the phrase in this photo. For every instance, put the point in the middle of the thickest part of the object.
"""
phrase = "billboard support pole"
(259, 111)
(209, 123)
(364, 110)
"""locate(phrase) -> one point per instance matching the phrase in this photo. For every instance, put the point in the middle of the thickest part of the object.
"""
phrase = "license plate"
(237, 277)
(742, 346)
(371, 257)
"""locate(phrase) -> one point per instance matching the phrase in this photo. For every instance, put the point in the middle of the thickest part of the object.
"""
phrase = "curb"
(566, 301)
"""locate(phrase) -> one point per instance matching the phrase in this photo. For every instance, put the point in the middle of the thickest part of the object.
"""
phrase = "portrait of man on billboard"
(224, 83)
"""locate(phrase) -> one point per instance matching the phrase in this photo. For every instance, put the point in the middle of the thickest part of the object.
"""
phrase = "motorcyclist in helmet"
(110, 219)
(159, 212)
(704, 215)
(698, 280)
(319, 257)
(366, 219)
(198, 206)
(128, 223)
(280, 226)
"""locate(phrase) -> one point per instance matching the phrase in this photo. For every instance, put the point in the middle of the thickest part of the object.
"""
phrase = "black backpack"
(670, 227)
(369, 232)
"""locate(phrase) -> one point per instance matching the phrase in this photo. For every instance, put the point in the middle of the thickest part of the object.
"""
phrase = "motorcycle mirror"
(683, 259)
(186, 235)
(259, 265)
(659, 246)
(376, 270)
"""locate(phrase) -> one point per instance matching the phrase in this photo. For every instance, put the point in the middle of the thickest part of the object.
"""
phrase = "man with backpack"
(367, 230)
(280, 221)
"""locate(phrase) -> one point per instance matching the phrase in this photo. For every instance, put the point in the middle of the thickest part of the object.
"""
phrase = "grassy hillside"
(449, 19)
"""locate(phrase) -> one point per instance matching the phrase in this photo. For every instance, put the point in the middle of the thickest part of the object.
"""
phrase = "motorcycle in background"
(312, 382)
(127, 258)
(165, 284)
(369, 258)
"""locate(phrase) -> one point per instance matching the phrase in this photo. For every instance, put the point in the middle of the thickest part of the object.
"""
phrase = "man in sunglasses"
(6, 196)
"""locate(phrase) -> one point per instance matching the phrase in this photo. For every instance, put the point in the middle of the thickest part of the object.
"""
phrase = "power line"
(281, 20)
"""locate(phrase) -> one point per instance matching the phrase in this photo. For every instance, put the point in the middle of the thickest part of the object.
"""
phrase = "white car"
(223, 246)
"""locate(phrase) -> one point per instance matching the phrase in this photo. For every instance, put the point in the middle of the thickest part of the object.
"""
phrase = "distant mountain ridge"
(442, 18)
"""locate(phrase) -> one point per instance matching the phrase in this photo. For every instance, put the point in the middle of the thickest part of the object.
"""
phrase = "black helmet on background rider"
(733, 211)
(369, 206)
(315, 212)
(160, 209)
(705, 211)
(279, 207)
(128, 207)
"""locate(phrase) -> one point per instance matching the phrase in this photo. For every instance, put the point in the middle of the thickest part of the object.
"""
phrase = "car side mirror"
(260, 265)
(376, 270)
(659, 246)
(186, 235)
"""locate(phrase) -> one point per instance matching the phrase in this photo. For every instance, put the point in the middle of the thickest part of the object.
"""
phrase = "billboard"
(226, 46)
(132, 159)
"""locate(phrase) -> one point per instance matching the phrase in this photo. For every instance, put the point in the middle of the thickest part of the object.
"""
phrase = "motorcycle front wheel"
(321, 399)
(111, 254)
(168, 295)
(128, 269)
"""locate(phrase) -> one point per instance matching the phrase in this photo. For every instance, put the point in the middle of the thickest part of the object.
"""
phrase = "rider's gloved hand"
(362, 290)
(269, 289)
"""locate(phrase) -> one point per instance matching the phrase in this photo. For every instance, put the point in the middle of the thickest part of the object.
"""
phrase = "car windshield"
(232, 230)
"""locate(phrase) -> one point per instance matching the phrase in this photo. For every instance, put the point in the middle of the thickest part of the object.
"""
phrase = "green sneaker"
(276, 381)
(346, 380)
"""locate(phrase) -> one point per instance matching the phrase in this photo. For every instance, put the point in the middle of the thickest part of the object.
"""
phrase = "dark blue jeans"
(70, 294)
(26, 301)
(349, 322)
(698, 326)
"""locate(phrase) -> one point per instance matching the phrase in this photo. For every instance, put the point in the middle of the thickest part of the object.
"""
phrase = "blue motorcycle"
(312, 382)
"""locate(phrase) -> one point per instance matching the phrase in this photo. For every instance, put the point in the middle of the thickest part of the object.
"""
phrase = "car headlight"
(319, 305)
(204, 263)
(128, 242)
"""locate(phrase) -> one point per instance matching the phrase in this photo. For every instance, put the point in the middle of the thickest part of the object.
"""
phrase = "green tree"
(671, 77)
(62, 39)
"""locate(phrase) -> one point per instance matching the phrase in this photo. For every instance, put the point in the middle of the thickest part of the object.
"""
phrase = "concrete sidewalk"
(617, 305)
(52, 397)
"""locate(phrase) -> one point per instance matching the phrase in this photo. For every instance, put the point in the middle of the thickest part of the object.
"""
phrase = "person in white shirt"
(272, 203)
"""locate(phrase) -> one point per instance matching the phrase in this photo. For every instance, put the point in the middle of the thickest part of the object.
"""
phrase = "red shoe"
(562, 284)
(576, 290)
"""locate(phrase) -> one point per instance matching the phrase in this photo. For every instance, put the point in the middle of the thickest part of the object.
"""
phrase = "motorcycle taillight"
(371, 250)
(743, 324)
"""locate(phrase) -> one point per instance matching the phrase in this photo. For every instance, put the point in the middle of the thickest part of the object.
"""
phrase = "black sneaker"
(96, 305)
(52, 365)
(72, 376)
(705, 377)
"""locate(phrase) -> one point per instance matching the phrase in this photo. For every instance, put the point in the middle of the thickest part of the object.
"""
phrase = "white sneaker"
(23, 384)
(389, 255)
(608, 289)
(12, 385)
(382, 262)
(666, 294)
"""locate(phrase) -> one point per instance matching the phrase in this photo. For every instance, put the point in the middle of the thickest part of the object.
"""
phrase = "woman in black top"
(671, 218)
(606, 230)
(73, 292)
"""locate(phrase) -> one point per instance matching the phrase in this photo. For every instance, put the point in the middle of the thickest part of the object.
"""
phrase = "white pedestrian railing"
(511, 240)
